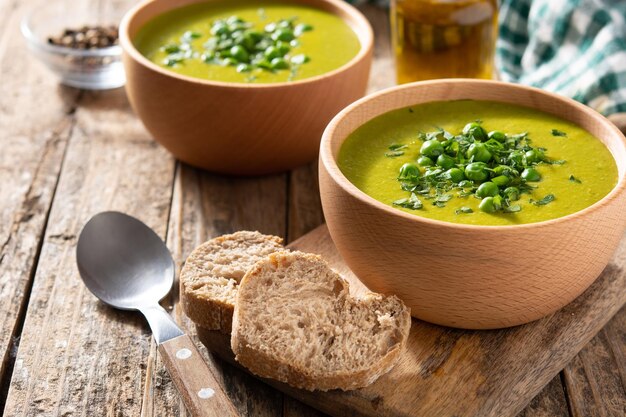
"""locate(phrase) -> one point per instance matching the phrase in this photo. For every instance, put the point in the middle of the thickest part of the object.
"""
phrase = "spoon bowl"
(127, 266)
(123, 262)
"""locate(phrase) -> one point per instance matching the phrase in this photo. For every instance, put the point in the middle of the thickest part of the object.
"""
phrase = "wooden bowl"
(238, 128)
(477, 277)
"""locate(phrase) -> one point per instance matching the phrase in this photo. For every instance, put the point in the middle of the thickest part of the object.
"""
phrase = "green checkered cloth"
(572, 47)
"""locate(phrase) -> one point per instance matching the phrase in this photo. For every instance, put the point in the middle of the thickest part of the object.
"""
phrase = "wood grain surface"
(202, 394)
(68, 154)
(451, 372)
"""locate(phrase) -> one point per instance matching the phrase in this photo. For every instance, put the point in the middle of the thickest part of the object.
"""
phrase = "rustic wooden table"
(68, 154)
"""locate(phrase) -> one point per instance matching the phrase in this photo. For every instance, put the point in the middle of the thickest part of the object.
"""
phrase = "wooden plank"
(596, 378)
(205, 205)
(76, 355)
(30, 161)
(550, 402)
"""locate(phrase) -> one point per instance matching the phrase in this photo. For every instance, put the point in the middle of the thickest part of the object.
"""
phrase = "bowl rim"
(36, 42)
(366, 39)
(328, 160)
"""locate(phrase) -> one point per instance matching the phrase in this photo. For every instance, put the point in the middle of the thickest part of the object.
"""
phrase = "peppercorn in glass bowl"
(77, 44)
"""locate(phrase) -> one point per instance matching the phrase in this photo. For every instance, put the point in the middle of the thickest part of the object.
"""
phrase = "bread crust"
(269, 366)
(200, 272)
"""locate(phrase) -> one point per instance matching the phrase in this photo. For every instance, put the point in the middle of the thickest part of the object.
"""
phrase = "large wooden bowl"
(477, 277)
(239, 128)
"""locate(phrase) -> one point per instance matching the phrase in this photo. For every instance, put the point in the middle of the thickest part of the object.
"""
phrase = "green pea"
(497, 135)
(279, 63)
(425, 161)
(531, 174)
(487, 189)
(283, 34)
(272, 52)
(445, 161)
(244, 68)
(255, 35)
(408, 171)
(283, 48)
(487, 205)
(475, 130)
(455, 175)
(239, 53)
(512, 193)
(501, 180)
(301, 28)
(263, 63)
(534, 156)
(479, 152)
(497, 201)
(503, 170)
(476, 171)
(431, 148)
(228, 61)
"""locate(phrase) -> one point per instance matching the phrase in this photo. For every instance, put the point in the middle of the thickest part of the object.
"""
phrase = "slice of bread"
(295, 321)
(211, 274)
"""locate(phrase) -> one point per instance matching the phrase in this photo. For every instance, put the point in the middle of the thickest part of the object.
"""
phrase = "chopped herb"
(441, 200)
(463, 210)
(397, 147)
(574, 179)
(394, 154)
(410, 110)
(190, 35)
(546, 200)
(556, 132)
(412, 202)
(555, 161)
(512, 209)
(171, 48)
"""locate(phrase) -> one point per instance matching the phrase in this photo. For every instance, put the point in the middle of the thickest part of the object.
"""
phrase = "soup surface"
(187, 41)
(578, 170)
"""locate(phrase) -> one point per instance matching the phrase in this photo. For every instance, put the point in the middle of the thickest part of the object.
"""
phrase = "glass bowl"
(92, 69)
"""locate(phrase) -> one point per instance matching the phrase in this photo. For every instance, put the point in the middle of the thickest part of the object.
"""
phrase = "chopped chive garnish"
(412, 202)
(574, 179)
(557, 132)
(546, 200)
(463, 210)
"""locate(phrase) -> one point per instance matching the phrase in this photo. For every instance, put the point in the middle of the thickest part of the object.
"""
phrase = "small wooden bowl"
(476, 277)
(238, 128)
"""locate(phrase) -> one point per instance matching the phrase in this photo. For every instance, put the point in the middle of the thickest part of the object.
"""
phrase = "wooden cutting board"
(451, 372)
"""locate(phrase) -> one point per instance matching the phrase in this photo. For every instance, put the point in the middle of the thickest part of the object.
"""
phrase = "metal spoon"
(127, 266)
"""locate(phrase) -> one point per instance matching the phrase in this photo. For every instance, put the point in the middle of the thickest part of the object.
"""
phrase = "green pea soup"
(586, 171)
(330, 44)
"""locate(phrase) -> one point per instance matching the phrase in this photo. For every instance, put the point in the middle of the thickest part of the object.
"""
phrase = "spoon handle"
(202, 394)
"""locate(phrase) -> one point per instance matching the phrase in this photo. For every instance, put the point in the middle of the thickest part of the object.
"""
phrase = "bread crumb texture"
(295, 321)
(212, 272)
